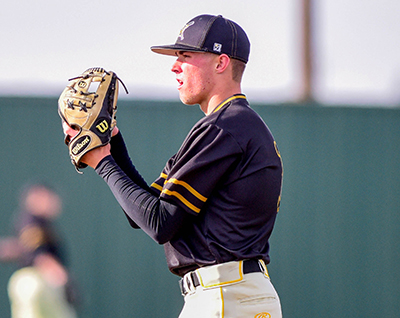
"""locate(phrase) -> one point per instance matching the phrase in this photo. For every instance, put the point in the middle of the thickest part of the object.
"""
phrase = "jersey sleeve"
(205, 158)
(159, 219)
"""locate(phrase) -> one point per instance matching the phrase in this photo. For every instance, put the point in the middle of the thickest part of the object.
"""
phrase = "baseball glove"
(91, 113)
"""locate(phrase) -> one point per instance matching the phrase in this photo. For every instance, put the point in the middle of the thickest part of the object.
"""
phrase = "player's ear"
(223, 62)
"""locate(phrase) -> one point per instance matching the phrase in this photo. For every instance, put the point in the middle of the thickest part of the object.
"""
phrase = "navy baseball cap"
(210, 33)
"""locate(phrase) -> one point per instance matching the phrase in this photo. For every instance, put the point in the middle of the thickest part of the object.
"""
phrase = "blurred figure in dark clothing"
(41, 287)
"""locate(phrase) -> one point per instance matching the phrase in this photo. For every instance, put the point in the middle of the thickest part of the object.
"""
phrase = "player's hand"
(93, 157)
(115, 131)
(10, 249)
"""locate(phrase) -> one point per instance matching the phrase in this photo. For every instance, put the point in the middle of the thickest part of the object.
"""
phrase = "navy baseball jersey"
(228, 174)
(216, 199)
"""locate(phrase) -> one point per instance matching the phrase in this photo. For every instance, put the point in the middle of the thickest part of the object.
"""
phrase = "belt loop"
(181, 287)
(263, 267)
(188, 283)
(184, 286)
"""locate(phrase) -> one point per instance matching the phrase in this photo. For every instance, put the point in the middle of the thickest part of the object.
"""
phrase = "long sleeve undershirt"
(158, 218)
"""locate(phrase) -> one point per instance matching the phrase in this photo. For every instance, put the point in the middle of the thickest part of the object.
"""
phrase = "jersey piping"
(227, 101)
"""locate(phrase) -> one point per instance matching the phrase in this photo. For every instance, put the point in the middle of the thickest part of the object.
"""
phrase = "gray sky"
(357, 49)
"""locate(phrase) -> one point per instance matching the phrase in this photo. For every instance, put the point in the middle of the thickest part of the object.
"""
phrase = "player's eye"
(184, 54)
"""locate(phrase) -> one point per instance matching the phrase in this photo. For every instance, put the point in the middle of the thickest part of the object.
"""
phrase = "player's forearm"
(10, 249)
(159, 219)
(121, 157)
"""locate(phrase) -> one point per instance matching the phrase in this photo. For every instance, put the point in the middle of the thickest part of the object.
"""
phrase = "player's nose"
(68, 130)
(176, 67)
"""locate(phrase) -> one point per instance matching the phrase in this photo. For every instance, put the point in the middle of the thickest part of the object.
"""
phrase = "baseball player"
(214, 205)
(41, 287)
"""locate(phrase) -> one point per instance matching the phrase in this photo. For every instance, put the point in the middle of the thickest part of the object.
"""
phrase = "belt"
(191, 280)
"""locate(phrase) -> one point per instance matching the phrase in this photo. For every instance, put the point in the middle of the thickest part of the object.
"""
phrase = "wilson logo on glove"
(103, 126)
(92, 113)
(82, 84)
(80, 145)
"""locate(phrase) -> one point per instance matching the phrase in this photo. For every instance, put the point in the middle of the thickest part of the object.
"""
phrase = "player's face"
(69, 132)
(194, 73)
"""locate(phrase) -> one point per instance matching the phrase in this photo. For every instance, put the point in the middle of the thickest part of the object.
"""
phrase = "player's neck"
(220, 95)
(217, 99)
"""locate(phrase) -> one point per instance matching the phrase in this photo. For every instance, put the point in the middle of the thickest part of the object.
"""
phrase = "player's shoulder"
(234, 116)
(238, 113)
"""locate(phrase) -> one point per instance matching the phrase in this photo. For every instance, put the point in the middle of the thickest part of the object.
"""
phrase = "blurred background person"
(41, 287)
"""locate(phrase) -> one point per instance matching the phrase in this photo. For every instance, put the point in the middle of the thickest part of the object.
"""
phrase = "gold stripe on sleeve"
(189, 188)
(156, 186)
(182, 199)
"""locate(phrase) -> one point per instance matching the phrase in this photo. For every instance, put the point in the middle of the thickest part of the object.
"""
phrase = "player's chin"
(188, 102)
(187, 99)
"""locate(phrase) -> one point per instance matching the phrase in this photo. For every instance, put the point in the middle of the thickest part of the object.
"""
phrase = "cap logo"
(184, 29)
(217, 47)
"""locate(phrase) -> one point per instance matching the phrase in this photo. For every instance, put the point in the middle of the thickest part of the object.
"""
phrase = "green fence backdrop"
(335, 248)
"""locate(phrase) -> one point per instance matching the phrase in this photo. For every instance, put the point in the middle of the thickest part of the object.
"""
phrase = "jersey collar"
(228, 100)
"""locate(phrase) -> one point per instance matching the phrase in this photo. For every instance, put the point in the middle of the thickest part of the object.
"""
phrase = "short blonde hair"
(238, 68)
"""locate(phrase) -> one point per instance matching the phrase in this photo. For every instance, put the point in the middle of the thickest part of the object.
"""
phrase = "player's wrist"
(115, 131)
(93, 157)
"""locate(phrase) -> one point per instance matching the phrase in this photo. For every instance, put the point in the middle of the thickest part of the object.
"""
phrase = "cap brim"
(173, 48)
